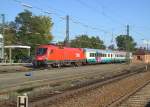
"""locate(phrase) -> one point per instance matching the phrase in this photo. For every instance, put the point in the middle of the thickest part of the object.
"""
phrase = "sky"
(103, 18)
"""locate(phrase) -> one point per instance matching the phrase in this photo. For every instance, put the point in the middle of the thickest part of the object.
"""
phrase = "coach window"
(95, 54)
(111, 55)
(100, 55)
(103, 55)
(90, 54)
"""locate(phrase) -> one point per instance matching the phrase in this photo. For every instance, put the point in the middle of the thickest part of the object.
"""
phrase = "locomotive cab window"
(41, 51)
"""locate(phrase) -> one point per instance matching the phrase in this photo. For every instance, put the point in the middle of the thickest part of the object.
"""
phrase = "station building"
(141, 56)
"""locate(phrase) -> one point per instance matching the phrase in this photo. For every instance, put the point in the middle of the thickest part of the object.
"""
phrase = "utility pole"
(66, 42)
(147, 46)
(128, 32)
(127, 35)
(3, 33)
(146, 42)
(112, 40)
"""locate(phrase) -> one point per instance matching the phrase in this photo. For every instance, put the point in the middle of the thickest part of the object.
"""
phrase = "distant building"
(141, 56)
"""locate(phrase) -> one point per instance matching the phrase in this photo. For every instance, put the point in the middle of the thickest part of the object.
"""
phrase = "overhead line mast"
(127, 49)
(66, 41)
(3, 32)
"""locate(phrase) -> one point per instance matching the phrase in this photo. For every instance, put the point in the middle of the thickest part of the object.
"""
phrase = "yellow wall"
(141, 58)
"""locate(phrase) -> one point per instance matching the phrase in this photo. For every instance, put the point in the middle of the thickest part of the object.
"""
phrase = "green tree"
(33, 30)
(27, 29)
(125, 42)
(84, 41)
(9, 33)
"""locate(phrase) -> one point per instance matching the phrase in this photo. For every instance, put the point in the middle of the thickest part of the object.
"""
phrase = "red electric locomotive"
(57, 55)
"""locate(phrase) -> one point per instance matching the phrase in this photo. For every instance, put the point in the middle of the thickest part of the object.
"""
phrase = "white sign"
(77, 55)
(22, 101)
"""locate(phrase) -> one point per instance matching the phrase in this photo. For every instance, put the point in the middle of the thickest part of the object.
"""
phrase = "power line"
(73, 20)
(107, 15)
(96, 10)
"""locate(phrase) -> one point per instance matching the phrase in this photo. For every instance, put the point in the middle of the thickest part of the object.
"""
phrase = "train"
(57, 55)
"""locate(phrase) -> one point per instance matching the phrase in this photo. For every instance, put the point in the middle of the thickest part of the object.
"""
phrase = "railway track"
(81, 88)
(51, 97)
(87, 89)
(140, 97)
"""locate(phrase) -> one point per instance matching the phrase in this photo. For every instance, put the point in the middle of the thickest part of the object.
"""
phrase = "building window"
(139, 58)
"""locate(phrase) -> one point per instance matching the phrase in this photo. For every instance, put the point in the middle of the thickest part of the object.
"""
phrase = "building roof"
(18, 46)
(141, 52)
